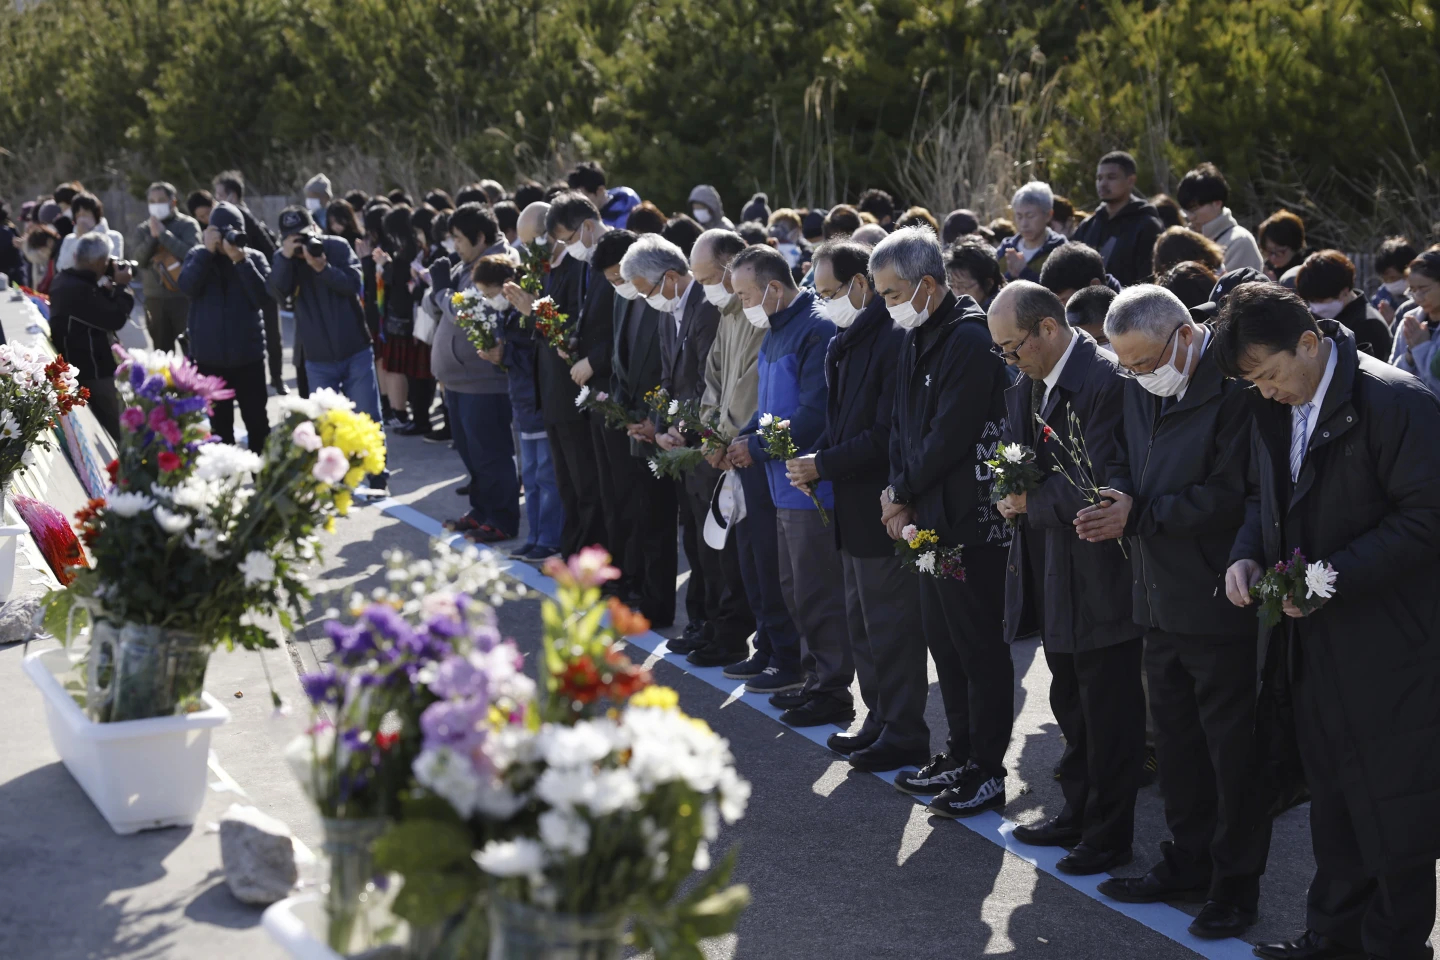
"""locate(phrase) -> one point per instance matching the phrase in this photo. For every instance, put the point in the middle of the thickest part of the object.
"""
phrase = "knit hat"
(318, 186)
(48, 211)
(758, 209)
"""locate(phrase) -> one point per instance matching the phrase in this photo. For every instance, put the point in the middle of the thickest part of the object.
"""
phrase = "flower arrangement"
(600, 402)
(920, 551)
(1016, 471)
(775, 434)
(551, 324)
(1306, 585)
(479, 323)
(658, 401)
(34, 394)
(534, 265)
(707, 427)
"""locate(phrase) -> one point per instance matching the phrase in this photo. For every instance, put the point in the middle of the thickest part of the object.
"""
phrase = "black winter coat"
(949, 409)
(1127, 241)
(1368, 503)
(1372, 333)
(84, 318)
(595, 330)
(226, 327)
(854, 451)
(1085, 590)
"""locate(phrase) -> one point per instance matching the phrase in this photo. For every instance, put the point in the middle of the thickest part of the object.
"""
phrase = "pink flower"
(158, 416)
(305, 437)
(187, 377)
(588, 568)
(170, 430)
(602, 396)
(909, 532)
(133, 418)
(331, 466)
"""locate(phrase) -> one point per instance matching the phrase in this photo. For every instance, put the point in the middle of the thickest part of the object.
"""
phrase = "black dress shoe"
(1217, 921)
(1084, 861)
(880, 756)
(1051, 833)
(818, 712)
(1308, 946)
(848, 743)
(717, 655)
(1151, 889)
(790, 699)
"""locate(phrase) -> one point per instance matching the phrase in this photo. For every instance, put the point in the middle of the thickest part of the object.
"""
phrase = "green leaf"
(415, 846)
(716, 914)
(432, 897)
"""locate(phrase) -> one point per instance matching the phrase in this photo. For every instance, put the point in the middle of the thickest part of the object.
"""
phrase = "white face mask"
(906, 315)
(497, 302)
(1327, 309)
(314, 204)
(658, 300)
(159, 210)
(717, 294)
(839, 310)
(448, 244)
(1167, 380)
(757, 314)
(1397, 288)
(628, 291)
(576, 248)
(701, 214)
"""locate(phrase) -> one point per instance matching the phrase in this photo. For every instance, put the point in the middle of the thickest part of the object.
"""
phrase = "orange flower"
(626, 621)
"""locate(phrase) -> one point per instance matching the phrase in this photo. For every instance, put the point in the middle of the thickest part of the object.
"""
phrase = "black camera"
(315, 247)
(115, 265)
(234, 237)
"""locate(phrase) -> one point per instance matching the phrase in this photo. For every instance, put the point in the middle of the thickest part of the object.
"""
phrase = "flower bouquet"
(920, 551)
(676, 462)
(480, 324)
(775, 434)
(1081, 473)
(552, 325)
(658, 401)
(1307, 585)
(706, 427)
(1016, 471)
(534, 265)
(34, 394)
(600, 402)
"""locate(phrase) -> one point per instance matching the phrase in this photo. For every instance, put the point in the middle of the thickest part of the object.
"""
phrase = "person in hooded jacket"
(706, 208)
(1326, 282)
(225, 282)
(1124, 227)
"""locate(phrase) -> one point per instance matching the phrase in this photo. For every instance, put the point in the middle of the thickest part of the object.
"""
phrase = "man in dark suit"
(1346, 453)
(1180, 502)
(882, 598)
(1067, 407)
(949, 407)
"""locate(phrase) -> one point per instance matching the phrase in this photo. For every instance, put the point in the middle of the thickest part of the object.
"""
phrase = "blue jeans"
(480, 424)
(543, 512)
(354, 377)
(775, 633)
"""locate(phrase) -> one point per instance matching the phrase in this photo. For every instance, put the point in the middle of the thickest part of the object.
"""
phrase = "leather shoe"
(1218, 921)
(717, 655)
(1308, 946)
(881, 756)
(818, 712)
(1151, 889)
(1084, 861)
(790, 699)
(1050, 833)
(848, 743)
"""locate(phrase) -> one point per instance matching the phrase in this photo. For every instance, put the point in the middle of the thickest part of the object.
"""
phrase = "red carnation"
(113, 469)
(169, 462)
(386, 740)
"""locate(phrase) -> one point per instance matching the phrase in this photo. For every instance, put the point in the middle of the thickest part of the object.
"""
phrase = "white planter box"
(298, 924)
(140, 774)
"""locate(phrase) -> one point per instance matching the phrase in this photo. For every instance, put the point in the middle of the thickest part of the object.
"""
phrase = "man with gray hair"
(949, 409)
(1180, 501)
(1023, 253)
(1077, 593)
(161, 243)
(89, 303)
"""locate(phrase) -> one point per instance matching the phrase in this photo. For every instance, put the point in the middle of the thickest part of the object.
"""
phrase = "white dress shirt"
(1053, 377)
(1304, 416)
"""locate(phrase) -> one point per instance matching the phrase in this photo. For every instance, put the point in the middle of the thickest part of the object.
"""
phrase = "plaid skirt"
(406, 355)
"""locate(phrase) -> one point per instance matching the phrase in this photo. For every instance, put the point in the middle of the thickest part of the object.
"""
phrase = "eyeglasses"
(1010, 356)
(1164, 347)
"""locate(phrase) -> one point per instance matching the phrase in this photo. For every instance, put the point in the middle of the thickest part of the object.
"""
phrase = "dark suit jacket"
(1086, 586)
(566, 283)
(854, 451)
(594, 336)
(683, 353)
(636, 372)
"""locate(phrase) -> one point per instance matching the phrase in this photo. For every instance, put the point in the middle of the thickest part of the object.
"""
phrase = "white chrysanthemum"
(128, 504)
(223, 461)
(674, 407)
(258, 568)
(766, 419)
(702, 856)
(205, 540)
(926, 563)
(1320, 581)
(582, 396)
(450, 777)
(170, 521)
(328, 399)
(566, 789)
(615, 790)
(1012, 453)
(564, 833)
(584, 744)
(521, 857)
(282, 407)
(9, 427)
(734, 795)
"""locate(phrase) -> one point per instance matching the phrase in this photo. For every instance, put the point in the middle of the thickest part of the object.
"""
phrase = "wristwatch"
(890, 496)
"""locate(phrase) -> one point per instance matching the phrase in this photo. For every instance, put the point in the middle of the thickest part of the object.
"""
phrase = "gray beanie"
(318, 186)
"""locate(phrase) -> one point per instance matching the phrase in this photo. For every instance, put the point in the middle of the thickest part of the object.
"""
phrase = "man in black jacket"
(1067, 408)
(882, 598)
(1179, 503)
(87, 308)
(949, 407)
(1346, 451)
(229, 187)
(1125, 226)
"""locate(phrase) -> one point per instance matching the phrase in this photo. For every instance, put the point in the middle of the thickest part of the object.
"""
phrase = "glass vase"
(351, 896)
(519, 931)
(138, 671)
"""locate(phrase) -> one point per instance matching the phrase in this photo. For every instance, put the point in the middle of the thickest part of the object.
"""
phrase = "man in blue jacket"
(792, 387)
(225, 281)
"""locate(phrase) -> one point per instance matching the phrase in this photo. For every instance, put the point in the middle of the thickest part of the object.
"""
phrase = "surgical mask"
(1167, 381)
(159, 210)
(1327, 309)
(717, 294)
(905, 313)
(497, 302)
(628, 291)
(839, 310)
(1396, 287)
(658, 300)
(701, 214)
(448, 244)
(314, 204)
(757, 314)
(577, 249)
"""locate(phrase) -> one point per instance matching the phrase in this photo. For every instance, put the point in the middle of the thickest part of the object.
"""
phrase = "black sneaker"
(930, 779)
(1151, 770)
(411, 429)
(463, 491)
(774, 680)
(437, 436)
(691, 639)
(748, 669)
(790, 699)
(975, 791)
(819, 712)
(717, 654)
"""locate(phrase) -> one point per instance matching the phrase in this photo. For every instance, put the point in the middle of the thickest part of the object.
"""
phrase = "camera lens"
(315, 247)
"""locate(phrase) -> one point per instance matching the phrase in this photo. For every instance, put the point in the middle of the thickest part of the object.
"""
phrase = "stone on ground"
(258, 854)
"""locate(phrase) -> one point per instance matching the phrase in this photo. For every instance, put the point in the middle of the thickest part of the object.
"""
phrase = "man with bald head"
(530, 226)
(1075, 591)
(1180, 503)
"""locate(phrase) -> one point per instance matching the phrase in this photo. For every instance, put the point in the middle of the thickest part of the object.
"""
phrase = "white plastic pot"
(298, 924)
(140, 774)
(10, 535)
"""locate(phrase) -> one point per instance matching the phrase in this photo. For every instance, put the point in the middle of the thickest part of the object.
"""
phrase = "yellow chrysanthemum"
(924, 538)
(699, 724)
(357, 436)
(330, 525)
(457, 299)
(662, 697)
(353, 477)
(342, 504)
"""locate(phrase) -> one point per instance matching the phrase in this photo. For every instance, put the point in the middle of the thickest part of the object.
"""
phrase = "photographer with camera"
(160, 244)
(225, 281)
(89, 303)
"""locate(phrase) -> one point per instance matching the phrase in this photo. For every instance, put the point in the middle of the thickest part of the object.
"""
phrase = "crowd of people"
(1201, 402)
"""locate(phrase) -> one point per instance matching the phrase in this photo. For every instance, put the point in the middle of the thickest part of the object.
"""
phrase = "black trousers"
(578, 480)
(248, 382)
(1388, 916)
(105, 404)
(612, 455)
(1096, 698)
(274, 344)
(727, 614)
(1202, 695)
(640, 511)
(420, 393)
(964, 628)
(302, 381)
(887, 645)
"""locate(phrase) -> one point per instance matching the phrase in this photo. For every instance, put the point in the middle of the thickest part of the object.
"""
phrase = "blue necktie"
(1297, 439)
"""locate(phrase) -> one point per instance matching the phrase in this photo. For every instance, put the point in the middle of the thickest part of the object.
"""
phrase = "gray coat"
(453, 358)
(180, 234)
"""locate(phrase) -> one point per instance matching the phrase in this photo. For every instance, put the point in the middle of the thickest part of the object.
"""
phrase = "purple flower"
(183, 406)
(323, 686)
(458, 677)
(151, 387)
(137, 376)
(453, 723)
(352, 643)
(388, 623)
